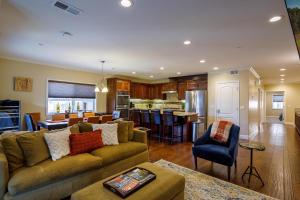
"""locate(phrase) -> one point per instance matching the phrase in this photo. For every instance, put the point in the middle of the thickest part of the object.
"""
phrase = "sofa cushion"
(85, 127)
(13, 152)
(122, 131)
(34, 147)
(111, 154)
(44, 173)
(130, 130)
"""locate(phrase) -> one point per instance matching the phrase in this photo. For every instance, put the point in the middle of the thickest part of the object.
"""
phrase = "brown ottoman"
(167, 185)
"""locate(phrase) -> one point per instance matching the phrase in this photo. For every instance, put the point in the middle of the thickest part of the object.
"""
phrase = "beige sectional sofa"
(59, 179)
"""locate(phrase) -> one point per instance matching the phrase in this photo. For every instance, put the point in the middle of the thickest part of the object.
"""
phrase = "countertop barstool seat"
(136, 117)
(145, 119)
(170, 122)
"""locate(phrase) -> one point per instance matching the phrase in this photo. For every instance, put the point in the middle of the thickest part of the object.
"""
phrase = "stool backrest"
(73, 115)
(58, 117)
(168, 118)
(106, 118)
(155, 117)
(89, 114)
(145, 116)
(136, 115)
(94, 120)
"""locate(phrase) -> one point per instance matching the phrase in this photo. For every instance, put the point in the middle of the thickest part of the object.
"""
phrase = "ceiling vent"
(67, 7)
(234, 72)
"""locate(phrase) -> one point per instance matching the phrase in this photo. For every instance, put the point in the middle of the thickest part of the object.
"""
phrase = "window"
(70, 97)
(277, 101)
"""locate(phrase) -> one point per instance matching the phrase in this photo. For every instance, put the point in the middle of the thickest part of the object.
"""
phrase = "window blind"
(277, 98)
(58, 89)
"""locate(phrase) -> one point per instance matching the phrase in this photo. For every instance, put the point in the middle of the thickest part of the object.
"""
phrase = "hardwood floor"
(278, 165)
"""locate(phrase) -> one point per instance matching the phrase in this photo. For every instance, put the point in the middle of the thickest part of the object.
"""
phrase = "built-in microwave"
(123, 100)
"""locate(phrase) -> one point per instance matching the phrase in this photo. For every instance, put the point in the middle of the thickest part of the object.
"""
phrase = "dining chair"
(94, 120)
(36, 117)
(73, 115)
(58, 117)
(170, 123)
(106, 118)
(88, 114)
(73, 121)
(29, 123)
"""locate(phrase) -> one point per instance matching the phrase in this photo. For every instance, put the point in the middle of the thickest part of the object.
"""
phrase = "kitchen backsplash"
(157, 104)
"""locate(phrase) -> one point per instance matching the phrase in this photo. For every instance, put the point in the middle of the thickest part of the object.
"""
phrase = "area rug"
(199, 186)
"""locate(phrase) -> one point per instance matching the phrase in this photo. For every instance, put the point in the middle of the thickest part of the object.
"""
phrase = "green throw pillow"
(74, 129)
(13, 152)
(34, 147)
(85, 127)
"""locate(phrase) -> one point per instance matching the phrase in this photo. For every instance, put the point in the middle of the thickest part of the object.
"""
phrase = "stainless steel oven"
(122, 105)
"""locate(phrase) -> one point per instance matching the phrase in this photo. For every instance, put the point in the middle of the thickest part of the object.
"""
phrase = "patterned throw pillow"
(58, 143)
(109, 133)
(220, 131)
(85, 142)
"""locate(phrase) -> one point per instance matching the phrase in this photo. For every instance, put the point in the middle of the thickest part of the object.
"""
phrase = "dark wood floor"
(278, 165)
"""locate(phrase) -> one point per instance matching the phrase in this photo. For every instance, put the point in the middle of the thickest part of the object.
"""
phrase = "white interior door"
(227, 101)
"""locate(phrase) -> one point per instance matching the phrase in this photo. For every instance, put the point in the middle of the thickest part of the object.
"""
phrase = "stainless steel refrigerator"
(196, 101)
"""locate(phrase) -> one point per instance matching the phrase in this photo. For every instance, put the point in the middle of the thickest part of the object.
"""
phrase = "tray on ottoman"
(167, 185)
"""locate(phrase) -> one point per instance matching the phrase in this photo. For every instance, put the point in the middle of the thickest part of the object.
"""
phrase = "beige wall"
(243, 78)
(254, 110)
(269, 110)
(35, 101)
(291, 96)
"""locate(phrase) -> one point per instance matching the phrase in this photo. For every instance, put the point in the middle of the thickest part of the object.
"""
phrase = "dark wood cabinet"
(171, 86)
(145, 91)
(123, 85)
(181, 88)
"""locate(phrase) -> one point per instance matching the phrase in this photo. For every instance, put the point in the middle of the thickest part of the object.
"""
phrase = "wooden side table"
(251, 170)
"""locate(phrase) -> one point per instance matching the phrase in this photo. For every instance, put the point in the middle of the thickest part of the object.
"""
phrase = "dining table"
(52, 125)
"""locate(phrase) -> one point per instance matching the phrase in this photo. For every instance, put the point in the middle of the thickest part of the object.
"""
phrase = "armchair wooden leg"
(235, 164)
(229, 170)
(195, 160)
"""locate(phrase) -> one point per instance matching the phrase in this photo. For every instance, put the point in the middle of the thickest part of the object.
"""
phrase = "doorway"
(275, 107)
(227, 101)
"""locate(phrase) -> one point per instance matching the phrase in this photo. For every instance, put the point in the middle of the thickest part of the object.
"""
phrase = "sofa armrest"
(4, 174)
(140, 136)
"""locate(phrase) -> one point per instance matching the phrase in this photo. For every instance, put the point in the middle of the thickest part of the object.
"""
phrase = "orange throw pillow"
(85, 142)
(220, 131)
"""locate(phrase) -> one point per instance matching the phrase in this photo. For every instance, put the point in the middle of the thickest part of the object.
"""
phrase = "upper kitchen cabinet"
(123, 85)
(182, 87)
(139, 91)
(171, 86)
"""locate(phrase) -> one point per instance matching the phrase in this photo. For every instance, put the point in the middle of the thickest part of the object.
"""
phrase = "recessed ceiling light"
(66, 34)
(187, 42)
(40, 44)
(202, 61)
(162, 68)
(216, 68)
(178, 73)
(126, 3)
(151, 76)
(282, 69)
(282, 79)
(133, 72)
(282, 75)
(275, 19)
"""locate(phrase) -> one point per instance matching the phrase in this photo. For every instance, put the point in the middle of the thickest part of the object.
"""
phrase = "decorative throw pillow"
(74, 128)
(58, 143)
(109, 133)
(85, 127)
(85, 142)
(13, 152)
(34, 147)
(220, 131)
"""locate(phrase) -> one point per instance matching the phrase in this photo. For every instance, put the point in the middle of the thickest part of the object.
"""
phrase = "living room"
(158, 81)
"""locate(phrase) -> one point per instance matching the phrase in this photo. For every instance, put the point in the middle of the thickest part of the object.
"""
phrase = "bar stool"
(136, 117)
(145, 119)
(170, 122)
(156, 121)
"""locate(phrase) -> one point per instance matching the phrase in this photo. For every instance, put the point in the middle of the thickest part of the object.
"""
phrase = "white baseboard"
(244, 137)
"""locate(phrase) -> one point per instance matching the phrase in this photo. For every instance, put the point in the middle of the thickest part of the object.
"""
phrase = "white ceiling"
(229, 34)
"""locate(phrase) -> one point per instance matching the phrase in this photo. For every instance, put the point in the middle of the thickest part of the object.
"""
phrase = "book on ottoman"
(130, 181)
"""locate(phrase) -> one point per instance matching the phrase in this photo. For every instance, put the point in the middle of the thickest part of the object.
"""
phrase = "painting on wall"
(23, 84)
(293, 8)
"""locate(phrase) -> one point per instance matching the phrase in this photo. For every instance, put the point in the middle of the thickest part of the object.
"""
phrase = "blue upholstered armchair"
(224, 154)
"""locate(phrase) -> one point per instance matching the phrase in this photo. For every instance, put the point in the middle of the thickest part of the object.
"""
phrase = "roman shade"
(277, 98)
(58, 89)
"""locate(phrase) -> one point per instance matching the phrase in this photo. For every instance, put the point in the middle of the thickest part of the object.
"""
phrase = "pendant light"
(102, 88)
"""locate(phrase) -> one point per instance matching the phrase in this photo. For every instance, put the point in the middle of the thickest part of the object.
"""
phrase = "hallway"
(278, 165)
